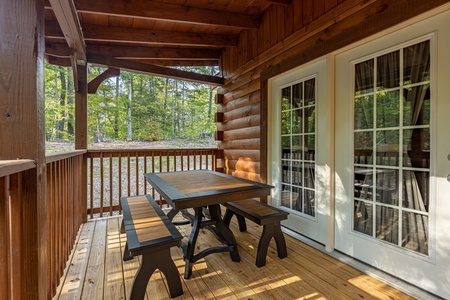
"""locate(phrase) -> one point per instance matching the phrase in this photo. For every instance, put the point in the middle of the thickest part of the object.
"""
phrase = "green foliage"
(131, 106)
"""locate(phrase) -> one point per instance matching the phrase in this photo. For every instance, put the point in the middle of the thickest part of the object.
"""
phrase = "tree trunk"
(70, 121)
(62, 102)
(166, 94)
(116, 111)
(130, 99)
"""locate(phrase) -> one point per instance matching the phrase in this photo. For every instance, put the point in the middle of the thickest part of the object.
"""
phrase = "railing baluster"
(153, 171)
(159, 160)
(128, 174)
(119, 170)
(110, 184)
(145, 171)
(137, 173)
(102, 185)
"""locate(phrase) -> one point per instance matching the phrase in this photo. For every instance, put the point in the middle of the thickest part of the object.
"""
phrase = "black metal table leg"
(224, 231)
(190, 247)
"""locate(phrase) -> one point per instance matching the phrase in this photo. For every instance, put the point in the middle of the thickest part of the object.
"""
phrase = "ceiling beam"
(59, 61)
(120, 51)
(165, 11)
(137, 52)
(178, 62)
(144, 36)
(66, 15)
(280, 2)
(154, 70)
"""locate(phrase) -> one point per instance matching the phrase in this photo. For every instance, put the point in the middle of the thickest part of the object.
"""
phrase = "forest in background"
(130, 107)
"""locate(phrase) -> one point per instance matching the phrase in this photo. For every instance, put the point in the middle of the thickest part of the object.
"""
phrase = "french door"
(300, 152)
(392, 152)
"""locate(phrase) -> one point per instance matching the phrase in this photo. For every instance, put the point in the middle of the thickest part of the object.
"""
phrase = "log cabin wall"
(289, 36)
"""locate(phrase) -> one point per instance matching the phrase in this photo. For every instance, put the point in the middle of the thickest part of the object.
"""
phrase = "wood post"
(22, 136)
(81, 131)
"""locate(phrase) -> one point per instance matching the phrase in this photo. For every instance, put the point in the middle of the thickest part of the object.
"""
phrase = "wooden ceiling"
(148, 36)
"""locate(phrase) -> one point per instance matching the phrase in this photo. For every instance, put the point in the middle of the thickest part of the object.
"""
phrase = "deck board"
(96, 270)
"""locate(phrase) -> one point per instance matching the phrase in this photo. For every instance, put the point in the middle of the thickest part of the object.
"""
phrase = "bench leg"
(169, 269)
(269, 231)
(280, 241)
(263, 245)
(146, 269)
(241, 220)
(150, 262)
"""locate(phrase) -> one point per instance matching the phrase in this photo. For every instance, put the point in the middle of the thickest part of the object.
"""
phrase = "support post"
(22, 135)
(81, 131)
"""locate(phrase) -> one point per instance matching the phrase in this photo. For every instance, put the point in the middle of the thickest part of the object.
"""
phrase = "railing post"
(81, 132)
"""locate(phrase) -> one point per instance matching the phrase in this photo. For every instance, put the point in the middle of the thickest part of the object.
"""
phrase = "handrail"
(63, 155)
(9, 167)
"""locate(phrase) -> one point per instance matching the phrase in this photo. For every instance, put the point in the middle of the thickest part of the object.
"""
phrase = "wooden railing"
(12, 180)
(65, 209)
(120, 172)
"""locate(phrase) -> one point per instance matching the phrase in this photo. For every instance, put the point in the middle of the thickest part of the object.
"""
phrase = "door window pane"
(298, 146)
(392, 147)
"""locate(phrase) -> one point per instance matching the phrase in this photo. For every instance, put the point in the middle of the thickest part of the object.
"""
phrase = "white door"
(392, 147)
(300, 114)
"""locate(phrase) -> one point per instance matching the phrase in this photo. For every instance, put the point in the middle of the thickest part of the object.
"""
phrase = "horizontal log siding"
(290, 36)
(64, 211)
(113, 174)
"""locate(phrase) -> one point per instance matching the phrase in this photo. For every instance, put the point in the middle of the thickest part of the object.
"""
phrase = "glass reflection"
(388, 109)
(387, 187)
(388, 70)
(363, 147)
(387, 148)
(416, 63)
(363, 183)
(364, 77)
(297, 99)
(362, 219)
(387, 224)
(364, 112)
(286, 98)
(416, 105)
(415, 232)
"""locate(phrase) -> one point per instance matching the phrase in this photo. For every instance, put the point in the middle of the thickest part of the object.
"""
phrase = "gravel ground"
(207, 142)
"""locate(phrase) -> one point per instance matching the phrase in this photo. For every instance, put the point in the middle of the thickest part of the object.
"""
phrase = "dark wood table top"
(188, 189)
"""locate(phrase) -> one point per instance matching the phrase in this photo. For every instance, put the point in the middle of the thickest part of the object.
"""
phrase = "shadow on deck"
(96, 270)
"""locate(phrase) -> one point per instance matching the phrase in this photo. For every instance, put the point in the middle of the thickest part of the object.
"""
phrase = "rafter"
(154, 70)
(165, 11)
(66, 15)
(143, 36)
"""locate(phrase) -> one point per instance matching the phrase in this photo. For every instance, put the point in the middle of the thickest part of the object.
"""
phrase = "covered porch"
(59, 242)
(95, 270)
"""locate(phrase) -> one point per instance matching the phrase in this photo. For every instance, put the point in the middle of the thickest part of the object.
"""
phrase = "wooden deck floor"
(96, 271)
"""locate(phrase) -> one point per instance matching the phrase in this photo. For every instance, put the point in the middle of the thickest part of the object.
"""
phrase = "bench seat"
(151, 234)
(264, 215)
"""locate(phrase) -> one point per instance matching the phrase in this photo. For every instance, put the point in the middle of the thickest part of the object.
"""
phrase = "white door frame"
(321, 227)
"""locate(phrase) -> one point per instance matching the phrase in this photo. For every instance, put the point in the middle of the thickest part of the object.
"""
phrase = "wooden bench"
(151, 234)
(262, 214)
